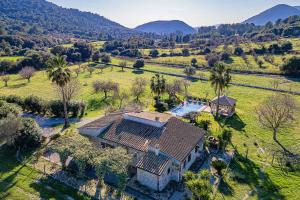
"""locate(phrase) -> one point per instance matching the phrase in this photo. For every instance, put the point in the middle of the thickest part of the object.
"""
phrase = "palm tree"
(158, 86)
(60, 75)
(220, 78)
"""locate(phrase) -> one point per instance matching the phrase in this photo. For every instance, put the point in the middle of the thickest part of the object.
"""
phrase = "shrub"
(238, 51)
(154, 53)
(212, 60)
(35, 104)
(115, 52)
(15, 99)
(8, 108)
(291, 66)
(186, 52)
(75, 108)
(225, 56)
(189, 71)
(105, 58)
(194, 62)
(56, 108)
(30, 135)
(204, 124)
(219, 165)
(139, 63)
(161, 107)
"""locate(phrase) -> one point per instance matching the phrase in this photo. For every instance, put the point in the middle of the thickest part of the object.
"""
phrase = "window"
(189, 158)
(169, 170)
(184, 163)
(196, 149)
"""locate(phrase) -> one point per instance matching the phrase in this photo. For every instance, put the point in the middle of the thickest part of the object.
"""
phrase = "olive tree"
(105, 87)
(27, 73)
(275, 113)
(138, 88)
(5, 78)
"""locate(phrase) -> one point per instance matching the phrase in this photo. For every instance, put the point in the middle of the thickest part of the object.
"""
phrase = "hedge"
(37, 105)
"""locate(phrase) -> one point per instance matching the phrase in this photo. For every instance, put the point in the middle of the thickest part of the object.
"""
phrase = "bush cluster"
(37, 105)
(8, 108)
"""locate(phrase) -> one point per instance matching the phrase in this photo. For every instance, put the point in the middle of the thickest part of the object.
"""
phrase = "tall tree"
(220, 78)
(275, 113)
(158, 85)
(138, 88)
(61, 76)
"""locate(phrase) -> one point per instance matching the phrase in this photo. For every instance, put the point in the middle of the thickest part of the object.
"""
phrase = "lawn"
(237, 63)
(11, 58)
(245, 126)
(18, 181)
(285, 83)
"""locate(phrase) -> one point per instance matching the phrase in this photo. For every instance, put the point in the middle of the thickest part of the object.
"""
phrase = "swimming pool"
(182, 110)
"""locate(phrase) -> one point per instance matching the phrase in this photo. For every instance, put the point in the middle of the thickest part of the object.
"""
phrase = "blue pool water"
(182, 110)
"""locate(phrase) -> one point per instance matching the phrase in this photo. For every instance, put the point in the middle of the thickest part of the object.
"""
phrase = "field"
(246, 129)
(236, 62)
(11, 58)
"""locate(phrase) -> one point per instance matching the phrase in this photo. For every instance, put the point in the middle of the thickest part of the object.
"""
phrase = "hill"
(40, 16)
(281, 11)
(166, 27)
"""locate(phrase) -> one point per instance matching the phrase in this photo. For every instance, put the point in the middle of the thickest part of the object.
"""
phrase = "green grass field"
(246, 129)
(237, 63)
(11, 58)
(18, 181)
(284, 82)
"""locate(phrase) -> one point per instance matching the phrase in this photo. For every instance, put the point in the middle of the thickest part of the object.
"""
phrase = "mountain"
(48, 18)
(281, 11)
(166, 27)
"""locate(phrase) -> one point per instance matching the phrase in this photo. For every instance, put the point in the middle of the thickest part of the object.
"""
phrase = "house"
(226, 105)
(163, 146)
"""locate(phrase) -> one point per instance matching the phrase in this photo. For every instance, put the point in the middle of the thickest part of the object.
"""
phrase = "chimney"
(156, 149)
(157, 119)
(146, 145)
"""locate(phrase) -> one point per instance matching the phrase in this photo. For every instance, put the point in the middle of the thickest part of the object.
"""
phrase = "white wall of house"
(147, 179)
(144, 121)
(193, 155)
(165, 178)
(153, 181)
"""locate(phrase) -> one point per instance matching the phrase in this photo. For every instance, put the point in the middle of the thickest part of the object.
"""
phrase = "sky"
(131, 13)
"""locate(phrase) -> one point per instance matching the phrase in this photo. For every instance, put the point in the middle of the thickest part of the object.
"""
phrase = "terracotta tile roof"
(176, 138)
(153, 163)
(107, 119)
(153, 116)
(132, 134)
(224, 100)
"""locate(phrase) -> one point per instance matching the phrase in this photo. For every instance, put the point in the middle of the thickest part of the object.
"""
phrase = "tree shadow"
(9, 166)
(138, 71)
(16, 86)
(234, 122)
(225, 188)
(229, 61)
(94, 103)
(245, 171)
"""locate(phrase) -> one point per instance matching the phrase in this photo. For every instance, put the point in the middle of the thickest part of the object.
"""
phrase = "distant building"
(163, 146)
